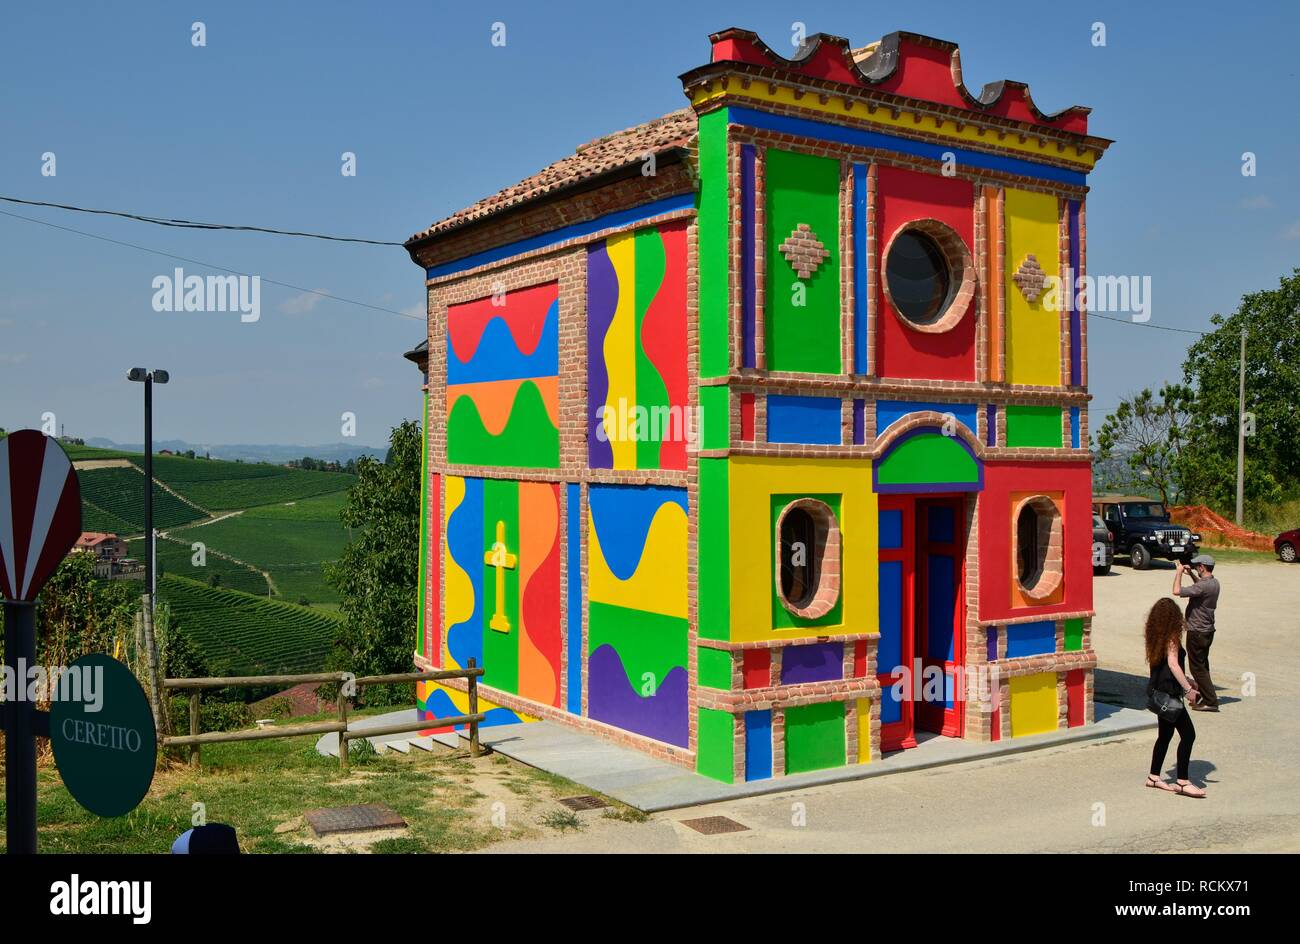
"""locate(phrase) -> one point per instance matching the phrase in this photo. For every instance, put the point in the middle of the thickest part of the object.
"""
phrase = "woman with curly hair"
(1166, 658)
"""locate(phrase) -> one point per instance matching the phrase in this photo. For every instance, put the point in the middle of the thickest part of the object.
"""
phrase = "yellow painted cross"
(501, 559)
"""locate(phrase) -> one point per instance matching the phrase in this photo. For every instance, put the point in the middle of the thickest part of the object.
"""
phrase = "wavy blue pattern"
(497, 357)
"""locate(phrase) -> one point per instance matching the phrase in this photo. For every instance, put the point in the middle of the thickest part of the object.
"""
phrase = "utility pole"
(148, 378)
(1241, 430)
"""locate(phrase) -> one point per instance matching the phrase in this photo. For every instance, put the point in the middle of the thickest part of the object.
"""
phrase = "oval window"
(808, 554)
(920, 282)
(798, 557)
(1038, 547)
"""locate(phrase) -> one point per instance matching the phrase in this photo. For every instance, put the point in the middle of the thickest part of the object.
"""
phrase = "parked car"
(1103, 547)
(1142, 530)
(1286, 545)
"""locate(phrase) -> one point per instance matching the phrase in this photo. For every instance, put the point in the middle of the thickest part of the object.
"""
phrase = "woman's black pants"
(1186, 737)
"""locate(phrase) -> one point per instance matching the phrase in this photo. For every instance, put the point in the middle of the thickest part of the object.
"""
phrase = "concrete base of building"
(652, 785)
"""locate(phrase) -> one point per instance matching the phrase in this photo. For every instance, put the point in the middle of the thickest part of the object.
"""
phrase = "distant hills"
(244, 452)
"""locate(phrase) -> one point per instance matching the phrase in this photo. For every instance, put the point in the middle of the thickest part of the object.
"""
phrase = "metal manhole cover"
(714, 825)
(586, 802)
(352, 819)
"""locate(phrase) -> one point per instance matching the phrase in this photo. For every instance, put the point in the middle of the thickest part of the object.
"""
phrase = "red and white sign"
(40, 511)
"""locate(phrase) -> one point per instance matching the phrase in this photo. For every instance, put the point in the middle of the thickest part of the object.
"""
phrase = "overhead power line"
(212, 265)
(194, 224)
(1144, 324)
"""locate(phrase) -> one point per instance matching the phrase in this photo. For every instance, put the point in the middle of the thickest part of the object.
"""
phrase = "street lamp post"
(149, 378)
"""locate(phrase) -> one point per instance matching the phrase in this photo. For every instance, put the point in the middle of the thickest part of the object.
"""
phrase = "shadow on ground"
(1120, 688)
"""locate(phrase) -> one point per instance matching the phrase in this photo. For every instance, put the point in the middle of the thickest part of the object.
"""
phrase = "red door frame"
(916, 545)
(901, 734)
(950, 722)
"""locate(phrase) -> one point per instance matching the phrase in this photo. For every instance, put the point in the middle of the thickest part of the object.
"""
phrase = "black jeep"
(1142, 530)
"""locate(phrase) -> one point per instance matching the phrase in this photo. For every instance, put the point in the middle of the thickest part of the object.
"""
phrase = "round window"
(928, 276)
(808, 555)
(920, 283)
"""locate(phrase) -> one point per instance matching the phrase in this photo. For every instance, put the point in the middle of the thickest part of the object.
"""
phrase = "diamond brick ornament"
(804, 251)
(1030, 278)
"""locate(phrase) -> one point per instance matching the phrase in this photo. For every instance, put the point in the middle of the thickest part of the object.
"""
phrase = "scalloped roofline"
(832, 58)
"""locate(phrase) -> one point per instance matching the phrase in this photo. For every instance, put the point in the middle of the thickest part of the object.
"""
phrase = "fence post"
(194, 726)
(473, 710)
(343, 735)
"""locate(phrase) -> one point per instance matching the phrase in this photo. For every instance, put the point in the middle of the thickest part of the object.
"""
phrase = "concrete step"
(423, 743)
(402, 747)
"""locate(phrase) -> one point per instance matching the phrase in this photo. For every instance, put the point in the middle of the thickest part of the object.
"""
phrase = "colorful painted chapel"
(756, 434)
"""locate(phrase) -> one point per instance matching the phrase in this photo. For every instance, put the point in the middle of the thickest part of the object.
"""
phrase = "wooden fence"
(350, 687)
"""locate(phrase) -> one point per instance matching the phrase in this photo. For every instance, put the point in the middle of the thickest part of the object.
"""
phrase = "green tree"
(1271, 319)
(77, 614)
(1149, 432)
(377, 573)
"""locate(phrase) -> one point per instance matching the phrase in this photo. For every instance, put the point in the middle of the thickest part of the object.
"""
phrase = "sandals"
(1156, 783)
(1182, 789)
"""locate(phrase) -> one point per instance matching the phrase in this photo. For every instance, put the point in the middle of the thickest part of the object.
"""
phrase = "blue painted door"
(940, 614)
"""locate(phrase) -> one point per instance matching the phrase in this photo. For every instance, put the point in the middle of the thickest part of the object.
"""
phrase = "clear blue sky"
(250, 130)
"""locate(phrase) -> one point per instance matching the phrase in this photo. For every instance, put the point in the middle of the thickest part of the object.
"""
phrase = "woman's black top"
(1162, 677)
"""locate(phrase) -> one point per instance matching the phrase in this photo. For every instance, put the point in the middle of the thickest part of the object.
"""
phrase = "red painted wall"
(1074, 479)
(901, 197)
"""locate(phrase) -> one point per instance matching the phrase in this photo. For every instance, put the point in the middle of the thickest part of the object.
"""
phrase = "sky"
(250, 129)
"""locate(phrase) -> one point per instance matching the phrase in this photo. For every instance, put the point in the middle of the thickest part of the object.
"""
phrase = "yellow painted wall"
(1033, 331)
(753, 480)
(1033, 704)
(864, 730)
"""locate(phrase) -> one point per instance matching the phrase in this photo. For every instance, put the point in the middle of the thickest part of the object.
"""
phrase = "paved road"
(1085, 797)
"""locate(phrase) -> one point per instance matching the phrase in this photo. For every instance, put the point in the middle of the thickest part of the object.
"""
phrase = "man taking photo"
(1202, 600)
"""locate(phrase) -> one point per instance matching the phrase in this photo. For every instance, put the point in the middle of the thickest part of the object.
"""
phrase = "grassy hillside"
(287, 526)
(78, 453)
(242, 634)
(177, 557)
(115, 497)
(294, 551)
(226, 486)
(320, 508)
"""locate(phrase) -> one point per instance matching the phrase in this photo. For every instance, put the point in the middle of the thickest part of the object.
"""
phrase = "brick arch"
(923, 419)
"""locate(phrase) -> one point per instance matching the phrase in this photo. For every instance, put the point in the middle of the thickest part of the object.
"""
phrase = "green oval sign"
(103, 735)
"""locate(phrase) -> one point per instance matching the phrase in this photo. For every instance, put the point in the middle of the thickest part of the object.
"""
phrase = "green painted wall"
(1034, 426)
(715, 750)
(715, 668)
(646, 642)
(714, 548)
(926, 458)
(501, 650)
(712, 232)
(1073, 635)
(715, 407)
(802, 334)
(814, 737)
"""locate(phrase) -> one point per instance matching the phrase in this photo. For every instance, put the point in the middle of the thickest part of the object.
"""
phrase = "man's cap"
(212, 839)
(1205, 559)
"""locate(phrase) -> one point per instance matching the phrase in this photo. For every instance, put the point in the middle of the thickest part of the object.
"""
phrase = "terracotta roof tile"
(620, 149)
